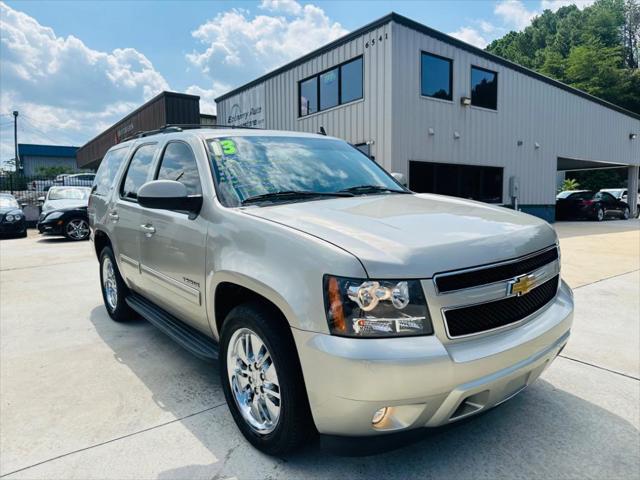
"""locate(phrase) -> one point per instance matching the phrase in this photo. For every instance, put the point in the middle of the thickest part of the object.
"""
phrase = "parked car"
(12, 221)
(621, 194)
(336, 300)
(589, 204)
(64, 212)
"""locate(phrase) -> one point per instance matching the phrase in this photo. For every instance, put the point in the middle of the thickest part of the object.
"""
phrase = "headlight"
(9, 218)
(375, 308)
(17, 217)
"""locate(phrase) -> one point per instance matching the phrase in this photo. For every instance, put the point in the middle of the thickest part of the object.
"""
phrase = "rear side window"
(138, 171)
(179, 164)
(108, 168)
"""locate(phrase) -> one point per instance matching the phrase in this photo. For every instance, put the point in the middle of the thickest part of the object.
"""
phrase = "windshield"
(8, 202)
(249, 166)
(68, 194)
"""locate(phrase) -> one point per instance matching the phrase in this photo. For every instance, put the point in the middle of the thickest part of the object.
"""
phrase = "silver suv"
(337, 301)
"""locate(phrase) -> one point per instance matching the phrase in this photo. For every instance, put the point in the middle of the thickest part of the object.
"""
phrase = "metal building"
(163, 109)
(35, 158)
(453, 118)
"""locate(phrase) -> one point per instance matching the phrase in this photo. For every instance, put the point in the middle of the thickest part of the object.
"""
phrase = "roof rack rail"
(179, 127)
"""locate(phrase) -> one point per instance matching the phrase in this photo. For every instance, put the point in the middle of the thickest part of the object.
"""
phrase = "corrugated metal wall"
(396, 117)
(357, 122)
(563, 124)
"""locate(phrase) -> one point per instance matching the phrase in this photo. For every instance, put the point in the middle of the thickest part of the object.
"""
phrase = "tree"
(595, 49)
(569, 184)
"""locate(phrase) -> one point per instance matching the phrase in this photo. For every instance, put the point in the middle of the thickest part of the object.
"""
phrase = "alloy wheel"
(109, 283)
(77, 229)
(254, 382)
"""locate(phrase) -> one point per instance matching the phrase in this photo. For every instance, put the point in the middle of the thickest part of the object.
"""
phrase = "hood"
(415, 236)
(67, 204)
(11, 210)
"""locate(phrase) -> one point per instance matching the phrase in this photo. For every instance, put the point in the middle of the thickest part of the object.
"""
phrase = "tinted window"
(606, 197)
(351, 81)
(179, 163)
(484, 88)
(309, 96)
(138, 171)
(329, 89)
(466, 181)
(108, 168)
(436, 76)
(581, 196)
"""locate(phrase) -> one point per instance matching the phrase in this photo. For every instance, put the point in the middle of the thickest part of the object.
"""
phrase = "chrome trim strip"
(502, 327)
(487, 266)
(192, 293)
(130, 261)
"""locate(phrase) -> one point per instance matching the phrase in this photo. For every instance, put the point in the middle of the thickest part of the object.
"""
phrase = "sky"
(73, 68)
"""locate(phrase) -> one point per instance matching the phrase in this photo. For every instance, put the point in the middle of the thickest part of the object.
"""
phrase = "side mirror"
(168, 195)
(23, 205)
(400, 178)
(41, 199)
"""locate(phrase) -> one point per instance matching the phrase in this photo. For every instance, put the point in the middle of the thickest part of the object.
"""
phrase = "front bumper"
(51, 227)
(13, 228)
(425, 382)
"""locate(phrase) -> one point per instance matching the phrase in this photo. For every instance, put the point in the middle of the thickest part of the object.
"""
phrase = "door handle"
(113, 215)
(148, 229)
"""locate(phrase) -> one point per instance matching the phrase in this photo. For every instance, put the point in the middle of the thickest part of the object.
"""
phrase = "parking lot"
(84, 397)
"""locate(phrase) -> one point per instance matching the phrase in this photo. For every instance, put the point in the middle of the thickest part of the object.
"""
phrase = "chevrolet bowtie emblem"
(521, 285)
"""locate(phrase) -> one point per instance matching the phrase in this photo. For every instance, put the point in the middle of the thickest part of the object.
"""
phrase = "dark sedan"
(65, 213)
(589, 204)
(12, 222)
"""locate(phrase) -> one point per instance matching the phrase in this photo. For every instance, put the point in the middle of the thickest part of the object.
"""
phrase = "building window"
(484, 88)
(351, 81)
(329, 89)
(309, 96)
(337, 86)
(465, 181)
(436, 76)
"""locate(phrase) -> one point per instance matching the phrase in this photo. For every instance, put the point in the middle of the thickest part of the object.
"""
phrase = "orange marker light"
(335, 306)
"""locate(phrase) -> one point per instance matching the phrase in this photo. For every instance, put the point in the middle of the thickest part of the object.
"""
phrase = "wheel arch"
(100, 240)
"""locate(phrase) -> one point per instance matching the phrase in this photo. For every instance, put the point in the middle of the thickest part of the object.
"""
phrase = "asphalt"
(83, 397)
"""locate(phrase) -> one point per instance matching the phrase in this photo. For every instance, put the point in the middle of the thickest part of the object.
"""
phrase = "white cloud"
(208, 96)
(285, 6)
(63, 88)
(235, 39)
(471, 36)
(514, 12)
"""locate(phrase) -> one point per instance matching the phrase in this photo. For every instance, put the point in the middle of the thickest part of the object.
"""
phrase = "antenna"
(322, 131)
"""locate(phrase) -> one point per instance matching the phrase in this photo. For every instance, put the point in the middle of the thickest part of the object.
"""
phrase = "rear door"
(125, 213)
(173, 245)
(103, 186)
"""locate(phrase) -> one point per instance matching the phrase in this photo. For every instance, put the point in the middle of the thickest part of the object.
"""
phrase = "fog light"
(379, 416)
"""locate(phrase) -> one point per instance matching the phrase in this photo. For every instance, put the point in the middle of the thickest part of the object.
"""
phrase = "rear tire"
(625, 213)
(254, 412)
(599, 214)
(114, 290)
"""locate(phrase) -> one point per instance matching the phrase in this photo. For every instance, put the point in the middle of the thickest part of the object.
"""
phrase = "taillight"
(587, 202)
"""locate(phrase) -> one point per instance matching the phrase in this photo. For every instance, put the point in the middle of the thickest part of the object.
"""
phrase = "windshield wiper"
(361, 189)
(293, 194)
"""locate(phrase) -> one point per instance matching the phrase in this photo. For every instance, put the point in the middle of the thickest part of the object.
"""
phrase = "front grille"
(483, 276)
(491, 315)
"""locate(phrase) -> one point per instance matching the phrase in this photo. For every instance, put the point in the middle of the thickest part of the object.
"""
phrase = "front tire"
(77, 229)
(114, 290)
(262, 380)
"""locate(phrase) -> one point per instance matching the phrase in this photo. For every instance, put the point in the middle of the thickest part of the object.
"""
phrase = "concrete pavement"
(84, 397)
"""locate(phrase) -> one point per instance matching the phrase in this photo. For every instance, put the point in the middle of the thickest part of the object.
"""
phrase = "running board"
(188, 337)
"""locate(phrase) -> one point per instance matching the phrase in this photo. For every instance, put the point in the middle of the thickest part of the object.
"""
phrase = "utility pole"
(15, 139)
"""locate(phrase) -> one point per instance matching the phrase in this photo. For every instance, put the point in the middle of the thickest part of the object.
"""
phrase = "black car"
(64, 212)
(12, 222)
(589, 204)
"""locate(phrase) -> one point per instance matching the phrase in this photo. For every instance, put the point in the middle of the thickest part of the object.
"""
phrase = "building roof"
(407, 22)
(32, 150)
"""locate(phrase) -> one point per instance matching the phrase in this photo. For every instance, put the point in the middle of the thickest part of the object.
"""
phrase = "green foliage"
(569, 184)
(597, 179)
(596, 49)
(51, 172)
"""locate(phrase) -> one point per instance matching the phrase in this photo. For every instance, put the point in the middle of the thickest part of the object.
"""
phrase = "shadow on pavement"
(542, 433)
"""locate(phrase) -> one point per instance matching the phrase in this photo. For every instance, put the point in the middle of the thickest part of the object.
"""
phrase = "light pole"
(15, 139)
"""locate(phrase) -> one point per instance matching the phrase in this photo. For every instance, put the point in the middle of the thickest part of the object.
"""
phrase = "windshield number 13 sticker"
(228, 147)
